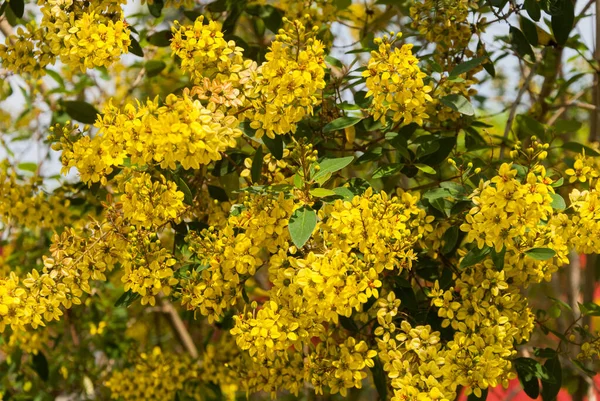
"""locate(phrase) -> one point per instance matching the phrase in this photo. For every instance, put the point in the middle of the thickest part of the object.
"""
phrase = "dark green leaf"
(81, 111)
(135, 48)
(40, 365)
(520, 43)
(188, 197)
(156, 7)
(275, 145)
(590, 309)
(562, 21)
(579, 148)
(302, 224)
(533, 9)
(379, 379)
(466, 66)
(217, 193)
(450, 237)
(550, 388)
(387, 171)
(473, 397)
(3, 7)
(127, 298)
(257, 163)
(341, 123)
(566, 126)
(529, 30)
(154, 67)
(458, 103)
(17, 7)
(531, 126)
(160, 38)
(474, 256)
(349, 324)
(498, 258)
(544, 352)
(540, 253)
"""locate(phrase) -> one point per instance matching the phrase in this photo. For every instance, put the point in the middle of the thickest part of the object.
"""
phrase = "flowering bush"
(261, 210)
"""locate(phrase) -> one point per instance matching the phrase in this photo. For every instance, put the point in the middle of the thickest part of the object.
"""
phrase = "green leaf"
(540, 253)
(28, 166)
(580, 148)
(81, 111)
(458, 103)
(344, 192)
(379, 379)
(217, 193)
(3, 7)
(558, 203)
(160, 38)
(562, 21)
(589, 309)
(531, 126)
(550, 388)
(474, 256)
(127, 298)
(188, 198)
(466, 66)
(331, 166)
(302, 224)
(529, 30)
(275, 145)
(533, 9)
(322, 192)
(498, 258)
(558, 182)
(17, 7)
(135, 48)
(341, 123)
(450, 238)
(520, 44)
(566, 126)
(386, 171)
(425, 168)
(257, 163)
(473, 397)
(156, 7)
(154, 67)
(40, 365)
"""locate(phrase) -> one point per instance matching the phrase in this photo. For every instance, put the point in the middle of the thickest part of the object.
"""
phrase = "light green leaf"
(302, 224)
(458, 103)
(332, 165)
(540, 253)
(425, 168)
(321, 192)
(558, 202)
(341, 123)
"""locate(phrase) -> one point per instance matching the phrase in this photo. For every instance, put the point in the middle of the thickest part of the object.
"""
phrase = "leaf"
(386, 171)
(127, 298)
(450, 238)
(473, 397)
(257, 163)
(341, 123)
(3, 7)
(154, 67)
(580, 148)
(217, 193)
(188, 198)
(40, 365)
(533, 9)
(498, 258)
(550, 388)
(520, 44)
(566, 126)
(344, 192)
(474, 256)
(425, 168)
(349, 324)
(562, 21)
(540, 253)
(81, 111)
(160, 38)
(135, 48)
(529, 30)
(531, 126)
(28, 166)
(17, 7)
(379, 379)
(558, 203)
(589, 309)
(156, 7)
(458, 103)
(302, 224)
(331, 166)
(275, 145)
(529, 371)
(322, 192)
(466, 66)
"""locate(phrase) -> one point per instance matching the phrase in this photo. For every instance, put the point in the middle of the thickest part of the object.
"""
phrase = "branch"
(179, 327)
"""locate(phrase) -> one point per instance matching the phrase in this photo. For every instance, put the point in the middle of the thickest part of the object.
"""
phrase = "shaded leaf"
(341, 123)
(257, 163)
(474, 256)
(81, 111)
(520, 43)
(127, 298)
(466, 66)
(154, 67)
(40, 365)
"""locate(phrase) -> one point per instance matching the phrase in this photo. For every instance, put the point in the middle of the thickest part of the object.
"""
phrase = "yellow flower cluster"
(150, 204)
(75, 261)
(25, 204)
(154, 376)
(80, 34)
(584, 169)
(395, 82)
(181, 131)
(273, 170)
(289, 83)
(590, 349)
(173, 3)
(234, 253)
(29, 341)
(585, 223)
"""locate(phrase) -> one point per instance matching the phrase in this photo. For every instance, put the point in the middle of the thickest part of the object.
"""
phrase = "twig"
(179, 327)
